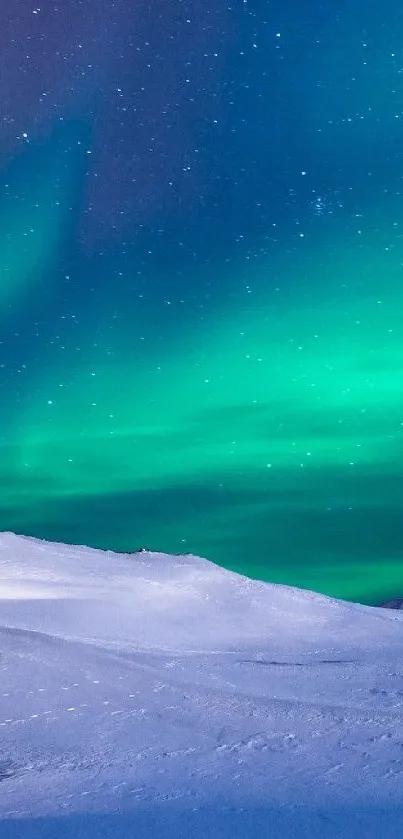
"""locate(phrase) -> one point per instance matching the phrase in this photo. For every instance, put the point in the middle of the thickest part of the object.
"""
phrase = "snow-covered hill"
(151, 695)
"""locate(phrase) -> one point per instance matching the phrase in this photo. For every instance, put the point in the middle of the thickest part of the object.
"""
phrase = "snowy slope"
(149, 695)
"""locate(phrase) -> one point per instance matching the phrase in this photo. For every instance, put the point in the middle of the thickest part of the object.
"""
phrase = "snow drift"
(147, 694)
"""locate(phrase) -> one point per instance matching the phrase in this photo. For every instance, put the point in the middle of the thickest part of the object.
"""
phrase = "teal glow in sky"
(201, 341)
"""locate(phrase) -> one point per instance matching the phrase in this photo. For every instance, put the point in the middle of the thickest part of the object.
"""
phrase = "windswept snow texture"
(150, 695)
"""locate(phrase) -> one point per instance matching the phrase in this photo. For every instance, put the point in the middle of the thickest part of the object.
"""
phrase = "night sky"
(201, 283)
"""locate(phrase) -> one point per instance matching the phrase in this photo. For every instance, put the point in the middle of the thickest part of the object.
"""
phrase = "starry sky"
(201, 283)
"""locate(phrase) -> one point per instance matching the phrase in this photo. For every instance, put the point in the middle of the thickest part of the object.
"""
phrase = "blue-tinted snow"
(150, 695)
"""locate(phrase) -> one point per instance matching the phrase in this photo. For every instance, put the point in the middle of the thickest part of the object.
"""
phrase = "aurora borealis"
(201, 285)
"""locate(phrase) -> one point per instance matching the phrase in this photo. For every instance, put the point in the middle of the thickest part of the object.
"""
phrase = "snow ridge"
(146, 694)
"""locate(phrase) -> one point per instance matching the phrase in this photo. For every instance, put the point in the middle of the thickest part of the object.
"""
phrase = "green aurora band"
(266, 436)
